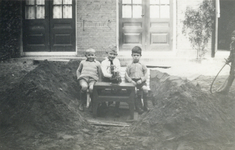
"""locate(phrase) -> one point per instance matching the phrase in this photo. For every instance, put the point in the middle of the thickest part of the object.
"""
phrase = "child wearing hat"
(110, 68)
(231, 59)
(88, 72)
(136, 73)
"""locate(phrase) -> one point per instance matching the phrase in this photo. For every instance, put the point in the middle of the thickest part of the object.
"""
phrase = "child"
(88, 73)
(136, 73)
(225, 88)
(110, 69)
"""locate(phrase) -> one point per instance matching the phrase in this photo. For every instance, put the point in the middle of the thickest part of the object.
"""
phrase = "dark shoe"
(146, 108)
(90, 108)
(81, 107)
(139, 110)
(146, 105)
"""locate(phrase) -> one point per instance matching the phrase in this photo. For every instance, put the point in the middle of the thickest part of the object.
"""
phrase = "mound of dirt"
(39, 110)
(44, 101)
(183, 112)
(12, 72)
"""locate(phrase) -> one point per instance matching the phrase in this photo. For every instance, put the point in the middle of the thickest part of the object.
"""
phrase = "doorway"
(146, 23)
(226, 23)
(48, 25)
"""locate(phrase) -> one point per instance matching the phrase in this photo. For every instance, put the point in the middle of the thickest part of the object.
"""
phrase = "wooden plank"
(108, 123)
(153, 66)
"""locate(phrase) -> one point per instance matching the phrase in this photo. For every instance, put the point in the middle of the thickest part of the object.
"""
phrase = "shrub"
(10, 24)
(198, 26)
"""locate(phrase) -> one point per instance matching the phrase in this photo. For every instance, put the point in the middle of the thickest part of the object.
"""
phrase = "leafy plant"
(198, 26)
(10, 24)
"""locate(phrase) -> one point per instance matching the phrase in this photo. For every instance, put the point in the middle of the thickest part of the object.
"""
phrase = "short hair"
(112, 49)
(137, 50)
(90, 51)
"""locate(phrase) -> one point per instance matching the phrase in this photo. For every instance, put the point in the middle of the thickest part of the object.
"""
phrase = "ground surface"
(39, 111)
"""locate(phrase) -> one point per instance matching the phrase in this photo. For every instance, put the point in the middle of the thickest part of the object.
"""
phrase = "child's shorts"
(87, 79)
(139, 86)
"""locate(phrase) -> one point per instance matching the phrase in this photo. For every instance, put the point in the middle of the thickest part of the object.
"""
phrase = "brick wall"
(96, 25)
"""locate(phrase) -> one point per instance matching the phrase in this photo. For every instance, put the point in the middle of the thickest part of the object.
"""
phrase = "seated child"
(110, 69)
(136, 73)
(88, 73)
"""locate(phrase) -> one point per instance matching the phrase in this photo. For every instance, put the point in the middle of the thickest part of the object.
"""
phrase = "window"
(62, 9)
(131, 8)
(159, 9)
(35, 9)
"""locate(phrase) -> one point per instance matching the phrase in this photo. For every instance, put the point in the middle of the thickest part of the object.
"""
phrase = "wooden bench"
(129, 98)
(109, 92)
(122, 74)
(102, 92)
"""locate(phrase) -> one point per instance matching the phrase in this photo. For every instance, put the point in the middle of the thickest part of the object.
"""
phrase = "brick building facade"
(69, 27)
(97, 26)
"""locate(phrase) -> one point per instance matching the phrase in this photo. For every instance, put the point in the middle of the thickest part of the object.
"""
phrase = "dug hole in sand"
(39, 111)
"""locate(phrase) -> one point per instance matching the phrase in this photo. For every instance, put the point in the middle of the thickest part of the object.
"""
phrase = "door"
(48, 25)
(146, 23)
(226, 23)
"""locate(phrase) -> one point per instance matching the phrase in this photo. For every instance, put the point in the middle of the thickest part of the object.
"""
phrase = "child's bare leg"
(138, 102)
(145, 94)
(90, 92)
(84, 87)
(91, 86)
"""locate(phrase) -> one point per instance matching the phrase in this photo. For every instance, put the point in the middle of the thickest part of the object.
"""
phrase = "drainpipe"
(21, 30)
(215, 28)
